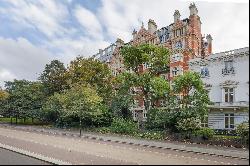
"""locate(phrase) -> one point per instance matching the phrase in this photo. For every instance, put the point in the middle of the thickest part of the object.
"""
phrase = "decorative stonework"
(229, 83)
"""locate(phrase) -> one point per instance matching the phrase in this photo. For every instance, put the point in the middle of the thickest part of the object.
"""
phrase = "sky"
(34, 32)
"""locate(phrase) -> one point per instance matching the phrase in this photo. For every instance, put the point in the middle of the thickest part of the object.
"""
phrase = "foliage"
(159, 60)
(25, 98)
(123, 126)
(188, 124)
(225, 132)
(3, 95)
(53, 109)
(53, 77)
(122, 99)
(81, 103)
(194, 98)
(153, 135)
(161, 119)
(91, 72)
(104, 130)
(159, 88)
(3, 102)
(242, 130)
(206, 133)
(149, 87)
(120, 106)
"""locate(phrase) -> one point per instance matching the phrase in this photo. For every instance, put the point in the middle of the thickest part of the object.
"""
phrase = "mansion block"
(188, 48)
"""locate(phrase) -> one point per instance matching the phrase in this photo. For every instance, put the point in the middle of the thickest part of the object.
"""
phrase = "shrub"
(153, 135)
(123, 126)
(242, 130)
(188, 124)
(205, 133)
(225, 132)
(104, 130)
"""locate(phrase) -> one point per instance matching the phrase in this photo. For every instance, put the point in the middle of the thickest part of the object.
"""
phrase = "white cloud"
(21, 60)
(70, 48)
(89, 22)
(46, 16)
(226, 22)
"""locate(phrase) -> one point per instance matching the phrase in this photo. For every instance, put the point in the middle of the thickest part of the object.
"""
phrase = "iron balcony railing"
(228, 71)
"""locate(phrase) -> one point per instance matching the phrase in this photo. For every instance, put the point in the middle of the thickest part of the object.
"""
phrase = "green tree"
(78, 104)
(194, 96)
(3, 102)
(146, 82)
(53, 77)
(122, 98)
(92, 72)
(25, 98)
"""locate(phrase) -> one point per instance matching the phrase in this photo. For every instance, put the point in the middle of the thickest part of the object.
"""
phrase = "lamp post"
(80, 119)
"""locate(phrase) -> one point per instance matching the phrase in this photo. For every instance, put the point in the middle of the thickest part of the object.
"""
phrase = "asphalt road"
(86, 151)
(11, 158)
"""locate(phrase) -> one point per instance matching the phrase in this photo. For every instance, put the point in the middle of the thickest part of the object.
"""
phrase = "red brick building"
(183, 38)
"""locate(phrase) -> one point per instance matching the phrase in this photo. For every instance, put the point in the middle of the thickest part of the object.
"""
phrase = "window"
(164, 77)
(162, 103)
(204, 72)
(229, 69)
(114, 73)
(136, 103)
(177, 57)
(175, 71)
(229, 95)
(204, 121)
(135, 115)
(146, 66)
(144, 114)
(228, 64)
(229, 121)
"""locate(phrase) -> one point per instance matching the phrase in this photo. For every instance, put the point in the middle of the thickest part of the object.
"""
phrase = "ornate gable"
(143, 36)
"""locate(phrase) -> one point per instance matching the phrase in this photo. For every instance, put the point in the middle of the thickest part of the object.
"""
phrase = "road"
(86, 151)
(11, 158)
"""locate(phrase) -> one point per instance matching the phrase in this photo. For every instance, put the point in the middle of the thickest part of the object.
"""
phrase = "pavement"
(96, 148)
(185, 147)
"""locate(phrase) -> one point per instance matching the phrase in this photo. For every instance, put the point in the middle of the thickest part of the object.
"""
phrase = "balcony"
(232, 104)
(228, 71)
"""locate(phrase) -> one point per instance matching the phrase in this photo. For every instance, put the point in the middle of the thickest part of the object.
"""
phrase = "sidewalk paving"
(195, 148)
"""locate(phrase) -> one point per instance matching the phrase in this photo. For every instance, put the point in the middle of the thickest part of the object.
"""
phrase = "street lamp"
(80, 119)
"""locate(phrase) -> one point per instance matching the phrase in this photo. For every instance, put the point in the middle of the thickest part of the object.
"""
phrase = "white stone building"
(226, 77)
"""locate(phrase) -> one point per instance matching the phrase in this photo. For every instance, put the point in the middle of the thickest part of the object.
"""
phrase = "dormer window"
(229, 69)
(204, 72)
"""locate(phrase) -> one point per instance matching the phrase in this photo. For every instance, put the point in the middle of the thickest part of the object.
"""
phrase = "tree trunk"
(16, 119)
(32, 120)
(11, 120)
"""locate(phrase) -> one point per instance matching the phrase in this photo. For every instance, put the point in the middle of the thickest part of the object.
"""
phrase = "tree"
(25, 98)
(190, 99)
(193, 95)
(123, 99)
(3, 102)
(53, 77)
(91, 72)
(146, 81)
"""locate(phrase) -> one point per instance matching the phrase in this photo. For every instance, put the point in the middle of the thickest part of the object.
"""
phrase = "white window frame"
(228, 123)
(228, 93)
(175, 71)
(204, 121)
